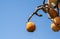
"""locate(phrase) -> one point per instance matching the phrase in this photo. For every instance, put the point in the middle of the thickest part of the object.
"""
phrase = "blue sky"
(13, 17)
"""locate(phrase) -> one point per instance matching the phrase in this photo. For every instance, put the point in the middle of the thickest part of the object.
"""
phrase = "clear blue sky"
(13, 17)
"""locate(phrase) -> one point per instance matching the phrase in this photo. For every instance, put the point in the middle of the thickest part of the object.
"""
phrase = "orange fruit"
(52, 13)
(57, 20)
(53, 1)
(54, 27)
(30, 27)
(50, 1)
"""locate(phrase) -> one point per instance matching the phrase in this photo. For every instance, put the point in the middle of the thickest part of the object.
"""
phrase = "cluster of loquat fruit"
(56, 24)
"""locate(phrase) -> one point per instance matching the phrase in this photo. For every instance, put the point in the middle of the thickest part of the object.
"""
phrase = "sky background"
(13, 18)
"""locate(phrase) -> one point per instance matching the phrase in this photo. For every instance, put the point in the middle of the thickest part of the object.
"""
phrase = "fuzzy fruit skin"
(54, 27)
(30, 27)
